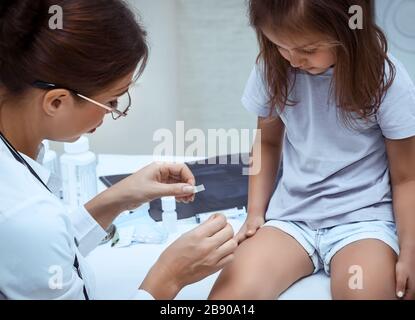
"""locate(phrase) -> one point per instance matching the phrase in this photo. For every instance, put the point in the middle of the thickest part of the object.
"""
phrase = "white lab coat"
(37, 247)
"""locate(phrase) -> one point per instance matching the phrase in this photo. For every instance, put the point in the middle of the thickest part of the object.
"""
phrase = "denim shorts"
(322, 244)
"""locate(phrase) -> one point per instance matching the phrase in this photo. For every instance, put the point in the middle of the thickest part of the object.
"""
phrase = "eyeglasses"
(118, 108)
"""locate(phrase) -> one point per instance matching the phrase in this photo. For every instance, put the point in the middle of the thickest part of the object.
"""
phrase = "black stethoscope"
(20, 159)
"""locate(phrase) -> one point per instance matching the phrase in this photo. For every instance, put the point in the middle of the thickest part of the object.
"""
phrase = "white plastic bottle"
(169, 215)
(144, 210)
(78, 169)
(51, 163)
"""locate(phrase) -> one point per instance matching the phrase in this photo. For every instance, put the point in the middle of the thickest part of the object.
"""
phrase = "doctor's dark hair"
(363, 72)
(100, 43)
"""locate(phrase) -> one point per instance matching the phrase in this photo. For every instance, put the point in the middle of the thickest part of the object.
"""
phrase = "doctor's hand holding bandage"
(152, 182)
(161, 179)
(195, 255)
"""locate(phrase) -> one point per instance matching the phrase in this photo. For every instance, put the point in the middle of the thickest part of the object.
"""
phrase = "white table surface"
(119, 271)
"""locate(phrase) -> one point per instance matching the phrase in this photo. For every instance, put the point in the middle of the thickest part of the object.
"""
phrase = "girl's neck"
(19, 128)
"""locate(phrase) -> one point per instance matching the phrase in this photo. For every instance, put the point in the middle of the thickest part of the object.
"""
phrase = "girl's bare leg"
(264, 267)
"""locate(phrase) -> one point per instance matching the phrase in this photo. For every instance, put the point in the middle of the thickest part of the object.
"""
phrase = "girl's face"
(311, 53)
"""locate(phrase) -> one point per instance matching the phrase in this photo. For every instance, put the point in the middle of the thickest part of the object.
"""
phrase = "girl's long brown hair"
(363, 72)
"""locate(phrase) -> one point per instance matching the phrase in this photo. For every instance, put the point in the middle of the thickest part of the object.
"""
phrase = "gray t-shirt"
(334, 174)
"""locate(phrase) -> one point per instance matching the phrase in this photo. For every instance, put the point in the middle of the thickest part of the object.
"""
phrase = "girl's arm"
(266, 151)
(401, 154)
(265, 166)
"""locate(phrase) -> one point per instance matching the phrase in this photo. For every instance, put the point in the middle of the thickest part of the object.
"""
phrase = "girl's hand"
(194, 256)
(250, 227)
(405, 276)
(155, 181)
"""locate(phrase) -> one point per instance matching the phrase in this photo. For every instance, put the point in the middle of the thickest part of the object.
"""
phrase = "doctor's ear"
(57, 100)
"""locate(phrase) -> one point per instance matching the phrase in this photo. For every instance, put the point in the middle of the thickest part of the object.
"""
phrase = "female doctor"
(57, 85)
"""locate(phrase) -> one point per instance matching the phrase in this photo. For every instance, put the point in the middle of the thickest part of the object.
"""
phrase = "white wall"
(155, 97)
(201, 54)
(396, 17)
(217, 52)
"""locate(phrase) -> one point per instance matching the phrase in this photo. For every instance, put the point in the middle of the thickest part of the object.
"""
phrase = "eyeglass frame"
(50, 86)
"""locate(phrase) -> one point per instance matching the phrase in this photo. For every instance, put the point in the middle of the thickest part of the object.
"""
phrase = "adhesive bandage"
(198, 189)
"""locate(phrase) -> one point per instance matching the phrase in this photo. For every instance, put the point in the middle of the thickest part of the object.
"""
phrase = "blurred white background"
(202, 52)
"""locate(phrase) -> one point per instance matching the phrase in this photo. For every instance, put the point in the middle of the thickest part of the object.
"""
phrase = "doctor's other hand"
(155, 181)
(251, 225)
(194, 256)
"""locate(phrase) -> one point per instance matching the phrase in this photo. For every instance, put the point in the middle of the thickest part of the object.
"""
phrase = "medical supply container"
(169, 215)
(78, 170)
(51, 162)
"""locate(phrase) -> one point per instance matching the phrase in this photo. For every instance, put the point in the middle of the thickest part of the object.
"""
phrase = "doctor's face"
(79, 116)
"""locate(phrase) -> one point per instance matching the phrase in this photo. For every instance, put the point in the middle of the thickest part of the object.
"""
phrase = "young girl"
(342, 112)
